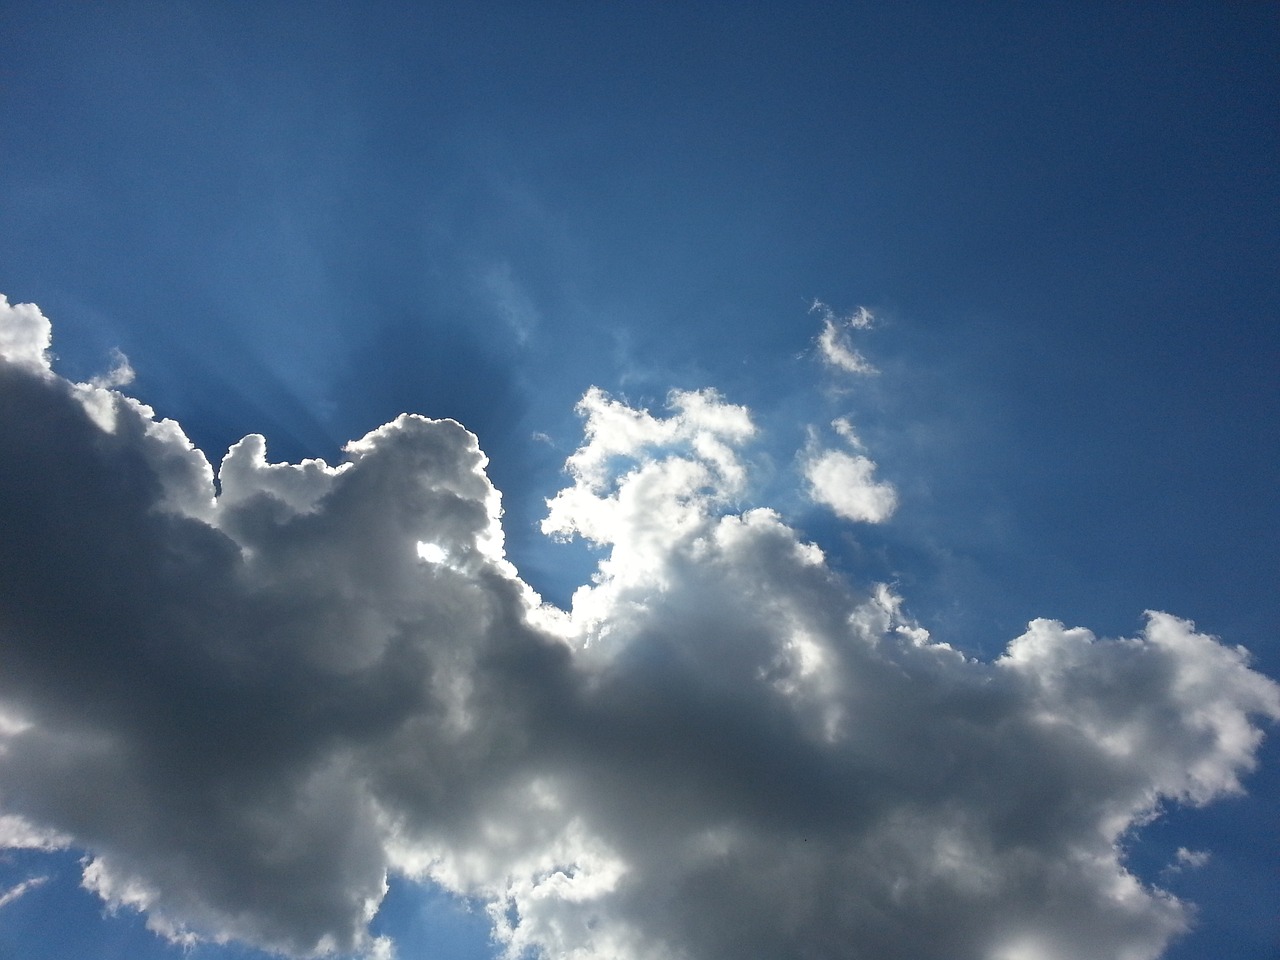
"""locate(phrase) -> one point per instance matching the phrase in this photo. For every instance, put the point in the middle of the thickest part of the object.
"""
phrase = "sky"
(639, 482)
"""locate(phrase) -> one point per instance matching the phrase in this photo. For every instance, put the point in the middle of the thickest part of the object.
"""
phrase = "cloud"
(510, 300)
(25, 335)
(1185, 859)
(846, 482)
(21, 889)
(834, 346)
(121, 373)
(250, 707)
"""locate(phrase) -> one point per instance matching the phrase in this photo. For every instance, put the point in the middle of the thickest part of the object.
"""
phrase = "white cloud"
(25, 335)
(846, 483)
(249, 709)
(21, 889)
(1185, 859)
(834, 342)
(641, 486)
(121, 373)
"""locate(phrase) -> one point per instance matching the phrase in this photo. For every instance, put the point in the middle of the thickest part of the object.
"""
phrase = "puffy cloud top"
(25, 335)
(845, 482)
(251, 707)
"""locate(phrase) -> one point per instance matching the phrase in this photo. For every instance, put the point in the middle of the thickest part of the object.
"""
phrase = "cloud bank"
(252, 702)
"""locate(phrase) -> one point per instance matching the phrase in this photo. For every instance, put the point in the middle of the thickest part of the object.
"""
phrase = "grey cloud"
(249, 709)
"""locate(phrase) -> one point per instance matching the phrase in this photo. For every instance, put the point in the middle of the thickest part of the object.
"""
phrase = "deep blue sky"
(304, 219)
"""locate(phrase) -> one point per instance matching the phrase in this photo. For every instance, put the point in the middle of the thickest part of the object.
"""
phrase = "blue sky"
(301, 221)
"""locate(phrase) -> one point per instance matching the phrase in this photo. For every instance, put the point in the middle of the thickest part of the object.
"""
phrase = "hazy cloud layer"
(249, 708)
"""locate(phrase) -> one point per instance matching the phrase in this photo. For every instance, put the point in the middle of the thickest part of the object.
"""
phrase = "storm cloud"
(251, 701)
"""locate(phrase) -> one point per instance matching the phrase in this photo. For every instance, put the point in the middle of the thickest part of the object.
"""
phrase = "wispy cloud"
(1184, 859)
(20, 889)
(121, 373)
(249, 708)
(835, 345)
(511, 301)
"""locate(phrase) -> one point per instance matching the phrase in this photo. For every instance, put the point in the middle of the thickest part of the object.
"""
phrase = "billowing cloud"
(250, 707)
(846, 483)
(25, 334)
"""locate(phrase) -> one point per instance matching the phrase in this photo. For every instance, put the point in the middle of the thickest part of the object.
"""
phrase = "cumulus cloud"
(25, 335)
(249, 707)
(845, 481)
(841, 480)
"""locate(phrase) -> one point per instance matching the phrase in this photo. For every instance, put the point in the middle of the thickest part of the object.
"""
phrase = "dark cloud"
(250, 709)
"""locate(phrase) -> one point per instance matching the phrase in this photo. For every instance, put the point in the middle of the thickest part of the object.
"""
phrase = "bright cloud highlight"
(844, 482)
(251, 704)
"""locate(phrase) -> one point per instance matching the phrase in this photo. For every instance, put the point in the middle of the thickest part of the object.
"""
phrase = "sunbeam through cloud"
(250, 704)
(617, 481)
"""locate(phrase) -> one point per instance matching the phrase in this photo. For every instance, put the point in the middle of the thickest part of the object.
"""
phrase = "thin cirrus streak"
(250, 708)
